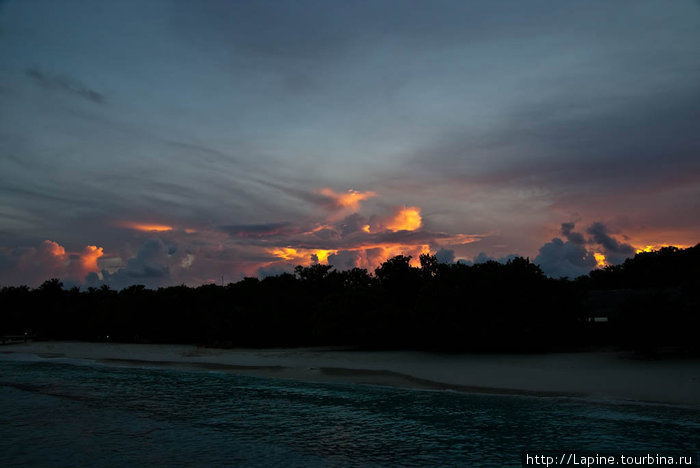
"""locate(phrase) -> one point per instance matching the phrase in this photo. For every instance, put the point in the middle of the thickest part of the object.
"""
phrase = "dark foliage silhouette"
(650, 303)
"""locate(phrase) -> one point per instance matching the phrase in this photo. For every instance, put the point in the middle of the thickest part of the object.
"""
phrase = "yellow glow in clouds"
(651, 248)
(302, 255)
(407, 219)
(322, 255)
(286, 253)
(600, 260)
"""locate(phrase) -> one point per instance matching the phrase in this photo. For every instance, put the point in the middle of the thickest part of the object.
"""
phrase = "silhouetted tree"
(457, 307)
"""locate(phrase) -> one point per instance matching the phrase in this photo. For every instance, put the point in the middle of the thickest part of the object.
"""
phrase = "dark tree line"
(652, 302)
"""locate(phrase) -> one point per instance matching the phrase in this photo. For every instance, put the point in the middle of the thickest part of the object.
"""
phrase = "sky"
(167, 142)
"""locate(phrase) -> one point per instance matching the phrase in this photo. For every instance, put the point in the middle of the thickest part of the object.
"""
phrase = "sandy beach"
(598, 375)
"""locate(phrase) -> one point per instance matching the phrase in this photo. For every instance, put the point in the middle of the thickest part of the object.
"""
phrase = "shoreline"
(596, 375)
(337, 375)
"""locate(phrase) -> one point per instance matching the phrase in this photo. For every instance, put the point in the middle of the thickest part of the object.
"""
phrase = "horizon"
(174, 143)
(309, 272)
(479, 260)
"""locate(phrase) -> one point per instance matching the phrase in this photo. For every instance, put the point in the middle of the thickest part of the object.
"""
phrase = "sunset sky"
(167, 142)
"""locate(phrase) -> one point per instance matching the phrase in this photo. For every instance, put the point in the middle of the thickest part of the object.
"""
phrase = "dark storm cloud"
(150, 267)
(345, 260)
(614, 250)
(352, 224)
(274, 270)
(570, 258)
(260, 230)
(567, 230)
(483, 257)
(575, 256)
(445, 256)
(26, 265)
(565, 259)
(33, 265)
(65, 84)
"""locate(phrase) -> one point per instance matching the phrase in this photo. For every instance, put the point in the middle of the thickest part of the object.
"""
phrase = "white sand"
(605, 375)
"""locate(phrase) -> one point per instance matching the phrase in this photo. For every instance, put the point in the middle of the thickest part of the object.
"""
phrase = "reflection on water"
(60, 414)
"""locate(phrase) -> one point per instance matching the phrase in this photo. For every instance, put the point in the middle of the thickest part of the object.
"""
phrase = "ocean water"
(59, 413)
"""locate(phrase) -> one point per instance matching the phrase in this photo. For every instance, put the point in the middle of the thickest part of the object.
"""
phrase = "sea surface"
(71, 413)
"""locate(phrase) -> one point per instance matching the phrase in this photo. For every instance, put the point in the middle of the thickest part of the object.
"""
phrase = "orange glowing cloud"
(51, 260)
(350, 199)
(460, 239)
(54, 249)
(406, 219)
(353, 240)
(146, 227)
(321, 227)
(88, 258)
(367, 256)
(303, 256)
(371, 256)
